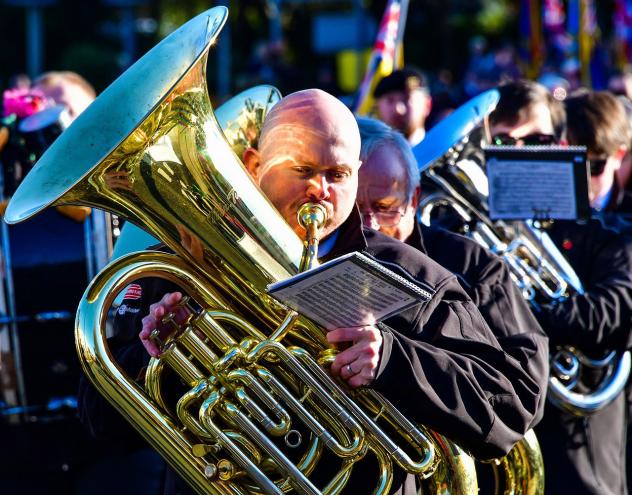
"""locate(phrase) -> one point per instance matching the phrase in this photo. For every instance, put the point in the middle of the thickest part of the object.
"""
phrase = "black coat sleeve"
(601, 317)
(448, 372)
(487, 280)
(505, 310)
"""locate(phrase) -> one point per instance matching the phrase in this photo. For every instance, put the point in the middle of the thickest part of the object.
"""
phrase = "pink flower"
(23, 102)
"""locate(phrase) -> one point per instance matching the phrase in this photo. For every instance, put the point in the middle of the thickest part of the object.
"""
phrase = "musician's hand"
(358, 363)
(168, 304)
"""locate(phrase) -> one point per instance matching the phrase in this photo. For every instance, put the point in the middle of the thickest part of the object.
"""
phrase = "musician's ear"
(428, 108)
(252, 162)
(415, 199)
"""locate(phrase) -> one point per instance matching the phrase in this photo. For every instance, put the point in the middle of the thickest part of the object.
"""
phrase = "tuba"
(257, 412)
(537, 266)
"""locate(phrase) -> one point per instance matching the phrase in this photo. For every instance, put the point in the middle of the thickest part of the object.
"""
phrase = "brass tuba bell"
(150, 150)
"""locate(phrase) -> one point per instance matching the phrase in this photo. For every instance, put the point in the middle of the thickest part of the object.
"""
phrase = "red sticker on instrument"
(133, 292)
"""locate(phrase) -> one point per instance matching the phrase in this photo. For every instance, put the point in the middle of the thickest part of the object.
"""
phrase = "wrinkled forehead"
(383, 175)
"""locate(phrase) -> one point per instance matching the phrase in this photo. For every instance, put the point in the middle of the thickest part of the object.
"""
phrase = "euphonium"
(458, 188)
(258, 412)
(537, 266)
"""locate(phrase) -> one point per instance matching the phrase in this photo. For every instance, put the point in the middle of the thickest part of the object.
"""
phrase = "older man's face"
(310, 159)
(383, 194)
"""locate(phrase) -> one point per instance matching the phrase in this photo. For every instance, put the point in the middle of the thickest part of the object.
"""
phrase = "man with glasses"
(597, 120)
(388, 195)
(581, 454)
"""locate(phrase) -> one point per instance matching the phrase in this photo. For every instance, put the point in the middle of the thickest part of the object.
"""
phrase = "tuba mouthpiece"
(312, 216)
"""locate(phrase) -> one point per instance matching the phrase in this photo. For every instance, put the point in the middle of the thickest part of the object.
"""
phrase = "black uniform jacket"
(620, 201)
(487, 280)
(439, 363)
(586, 455)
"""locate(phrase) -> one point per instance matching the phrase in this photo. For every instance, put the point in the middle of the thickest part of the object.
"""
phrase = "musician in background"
(403, 101)
(66, 88)
(415, 358)
(597, 120)
(388, 196)
(581, 454)
(73, 92)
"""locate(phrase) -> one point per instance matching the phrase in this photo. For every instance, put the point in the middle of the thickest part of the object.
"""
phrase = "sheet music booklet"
(537, 182)
(352, 290)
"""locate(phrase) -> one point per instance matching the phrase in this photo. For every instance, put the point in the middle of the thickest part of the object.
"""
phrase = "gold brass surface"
(256, 413)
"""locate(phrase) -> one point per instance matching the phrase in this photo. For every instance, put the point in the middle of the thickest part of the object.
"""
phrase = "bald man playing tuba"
(438, 361)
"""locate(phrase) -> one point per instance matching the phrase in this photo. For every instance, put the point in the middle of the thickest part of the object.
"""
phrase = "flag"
(554, 24)
(589, 30)
(622, 20)
(384, 56)
(588, 39)
(531, 34)
(582, 26)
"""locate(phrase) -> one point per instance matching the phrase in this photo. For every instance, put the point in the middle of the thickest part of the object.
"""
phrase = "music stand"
(537, 182)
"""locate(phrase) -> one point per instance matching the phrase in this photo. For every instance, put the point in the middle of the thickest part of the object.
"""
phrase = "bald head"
(308, 152)
(308, 113)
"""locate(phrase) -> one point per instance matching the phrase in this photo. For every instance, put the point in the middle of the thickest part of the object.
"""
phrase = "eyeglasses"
(597, 166)
(537, 139)
(388, 218)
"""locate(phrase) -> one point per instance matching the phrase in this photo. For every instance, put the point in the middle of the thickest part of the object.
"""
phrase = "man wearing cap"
(403, 102)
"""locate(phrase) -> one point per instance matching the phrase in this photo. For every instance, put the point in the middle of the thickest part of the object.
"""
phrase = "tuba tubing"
(114, 384)
(150, 150)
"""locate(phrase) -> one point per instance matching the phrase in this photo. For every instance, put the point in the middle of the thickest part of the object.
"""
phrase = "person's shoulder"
(625, 204)
(461, 255)
(600, 234)
(441, 239)
(419, 265)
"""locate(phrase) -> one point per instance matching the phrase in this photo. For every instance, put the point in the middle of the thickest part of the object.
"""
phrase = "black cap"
(405, 79)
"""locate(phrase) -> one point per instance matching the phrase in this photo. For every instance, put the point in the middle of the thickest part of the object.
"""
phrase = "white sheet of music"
(531, 189)
(348, 291)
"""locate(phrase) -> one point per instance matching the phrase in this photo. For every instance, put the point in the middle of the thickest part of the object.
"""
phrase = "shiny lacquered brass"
(521, 472)
(257, 413)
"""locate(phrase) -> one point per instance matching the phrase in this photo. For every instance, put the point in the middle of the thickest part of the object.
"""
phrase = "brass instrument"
(241, 119)
(258, 413)
(537, 266)
(460, 187)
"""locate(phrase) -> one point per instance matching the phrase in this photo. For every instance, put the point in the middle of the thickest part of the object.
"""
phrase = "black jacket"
(439, 363)
(487, 280)
(586, 455)
(620, 201)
